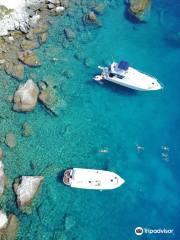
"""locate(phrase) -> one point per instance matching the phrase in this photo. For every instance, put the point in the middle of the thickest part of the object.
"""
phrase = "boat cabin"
(119, 69)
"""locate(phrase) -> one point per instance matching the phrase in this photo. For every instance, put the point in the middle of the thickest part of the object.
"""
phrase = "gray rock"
(55, 2)
(51, 6)
(59, 9)
(70, 35)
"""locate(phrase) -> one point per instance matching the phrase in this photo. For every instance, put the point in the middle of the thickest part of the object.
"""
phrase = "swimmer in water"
(165, 148)
(139, 148)
(103, 150)
(165, 156)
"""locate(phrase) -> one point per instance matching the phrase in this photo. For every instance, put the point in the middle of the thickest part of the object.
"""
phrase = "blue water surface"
(95, 117)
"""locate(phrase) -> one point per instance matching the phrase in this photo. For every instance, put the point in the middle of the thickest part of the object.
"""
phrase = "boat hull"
(94, 179)
(131, 78)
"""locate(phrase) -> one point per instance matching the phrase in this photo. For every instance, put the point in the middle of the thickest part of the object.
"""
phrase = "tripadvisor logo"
(139, 231)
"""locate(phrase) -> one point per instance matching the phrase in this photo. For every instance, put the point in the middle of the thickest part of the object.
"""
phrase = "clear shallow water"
(96, 117)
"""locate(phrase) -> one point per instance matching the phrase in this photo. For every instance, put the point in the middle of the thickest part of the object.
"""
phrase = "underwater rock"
(3, 220)
(10, 230)
(1, 153)
(10, 140)
(43, 37)
(29, 58)
(91, 18)
(69, 222)
(99, 8)
(26, 188)
(25, 98)
(139, 8)
(48, 96)
(15, 70)
(88, 62)
(27, 130)
(2, 179)
(29, 44)
(70, 35)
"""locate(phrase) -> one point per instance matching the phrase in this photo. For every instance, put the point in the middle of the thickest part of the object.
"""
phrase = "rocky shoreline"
(23, 29)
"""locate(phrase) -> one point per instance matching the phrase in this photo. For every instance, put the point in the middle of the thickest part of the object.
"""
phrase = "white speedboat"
(126, 76)
(92, 179)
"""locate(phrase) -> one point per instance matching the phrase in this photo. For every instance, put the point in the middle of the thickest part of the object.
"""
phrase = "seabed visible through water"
(100, 126)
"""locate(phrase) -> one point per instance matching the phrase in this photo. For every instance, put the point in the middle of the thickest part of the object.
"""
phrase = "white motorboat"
(122, 74)
(92, 179)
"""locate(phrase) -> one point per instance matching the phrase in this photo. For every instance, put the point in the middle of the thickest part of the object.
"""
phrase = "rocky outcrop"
(139, 8)
(29, 58)
(14, 15)
(26, 188)
(8, 226)
(48, 96)
(10, 140)
(25, 98)
(2, 178)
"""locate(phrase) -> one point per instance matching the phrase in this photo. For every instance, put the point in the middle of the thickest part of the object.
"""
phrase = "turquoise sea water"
(94, 117)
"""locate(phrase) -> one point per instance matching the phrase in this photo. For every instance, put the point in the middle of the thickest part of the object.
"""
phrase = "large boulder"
(10, 228)
(26, 188)
(2, 180)
(29, 58)
(3, 220)
(25, 98)
(139, 8)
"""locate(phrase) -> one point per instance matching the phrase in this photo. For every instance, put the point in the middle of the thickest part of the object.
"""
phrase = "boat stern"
(67, 178)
